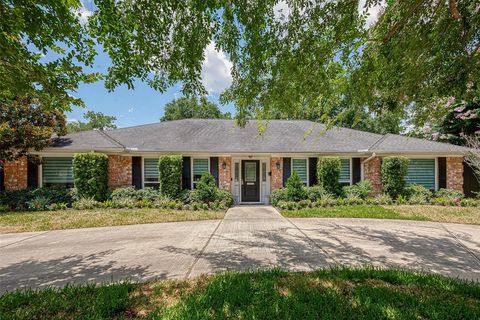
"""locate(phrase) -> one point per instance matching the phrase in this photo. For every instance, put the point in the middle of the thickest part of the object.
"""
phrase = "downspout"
(363, 164)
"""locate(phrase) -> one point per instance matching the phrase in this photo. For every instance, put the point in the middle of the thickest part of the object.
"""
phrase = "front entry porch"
(251, 180)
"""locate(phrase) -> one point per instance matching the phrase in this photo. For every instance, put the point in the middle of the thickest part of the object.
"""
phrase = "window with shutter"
(200, 166)
(57, 171)
(150, 172)
(422, 172)
(300, 166)
(345, 171)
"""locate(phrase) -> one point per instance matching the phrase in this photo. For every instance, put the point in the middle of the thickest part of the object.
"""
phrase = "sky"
(143, 104)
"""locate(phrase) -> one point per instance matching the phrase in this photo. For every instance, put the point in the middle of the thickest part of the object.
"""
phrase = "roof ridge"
(103, 133)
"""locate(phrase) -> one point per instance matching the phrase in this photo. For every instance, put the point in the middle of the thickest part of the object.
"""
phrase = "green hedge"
(393, 173)
(170, 175)
(90, 175)
(328, 173)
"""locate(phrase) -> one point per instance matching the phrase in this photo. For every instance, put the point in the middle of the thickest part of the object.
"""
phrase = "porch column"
(16, 174)
(119, 171)
(371, 171)
(276, 180)
(455, 173)
(225, 174)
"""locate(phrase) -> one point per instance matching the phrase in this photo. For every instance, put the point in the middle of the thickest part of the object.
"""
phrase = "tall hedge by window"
(170, 175)
(90, 175)
(328, 174)
(393, 173)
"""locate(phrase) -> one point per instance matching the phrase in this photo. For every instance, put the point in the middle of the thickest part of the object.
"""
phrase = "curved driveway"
(248, 237)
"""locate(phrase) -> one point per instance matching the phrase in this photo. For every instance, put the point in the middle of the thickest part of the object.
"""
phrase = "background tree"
(28, 31)
(95, 120)
(192, 107)
(27, 125)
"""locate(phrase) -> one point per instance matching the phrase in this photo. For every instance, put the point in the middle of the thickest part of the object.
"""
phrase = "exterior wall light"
(224, 165)
(278, 165)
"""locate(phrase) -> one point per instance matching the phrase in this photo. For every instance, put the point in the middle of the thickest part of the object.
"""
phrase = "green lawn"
(71, 219)
(340, 293)
(370, 211)
(405, 212)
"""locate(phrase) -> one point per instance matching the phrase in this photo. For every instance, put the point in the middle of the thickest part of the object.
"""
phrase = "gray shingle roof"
(223, 136)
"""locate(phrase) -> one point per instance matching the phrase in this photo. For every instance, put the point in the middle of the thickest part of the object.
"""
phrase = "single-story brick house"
(242, 161)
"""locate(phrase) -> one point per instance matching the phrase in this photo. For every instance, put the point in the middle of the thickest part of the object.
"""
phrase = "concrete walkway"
(248, 237)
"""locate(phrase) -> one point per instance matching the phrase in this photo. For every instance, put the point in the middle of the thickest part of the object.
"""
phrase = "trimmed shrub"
(393, 173)
(170, 175)
(90, 175)
(314, 193)
(418, 194)
(361, 190)
(278, 195)
(224, 197)
(295, 187)
(328, 173)
(206, 188)
(450, 194)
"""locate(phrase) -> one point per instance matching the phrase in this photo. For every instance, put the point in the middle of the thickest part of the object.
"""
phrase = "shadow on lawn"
(68, 269)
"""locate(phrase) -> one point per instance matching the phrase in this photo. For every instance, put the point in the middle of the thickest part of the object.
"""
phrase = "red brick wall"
(371, 171)
(15, 174)
(277, 174)
(225, 175)
(119, 171)
(455, 173)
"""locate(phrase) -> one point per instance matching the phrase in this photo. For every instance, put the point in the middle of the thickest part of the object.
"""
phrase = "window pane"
(421, 171)
(345, 171)
(200, 166)
(57, 170)
(251, 171)
(300, 166)
(150, 170)
(264, 171)
(237, 171)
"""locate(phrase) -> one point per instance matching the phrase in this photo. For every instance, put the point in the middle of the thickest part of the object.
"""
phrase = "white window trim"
(307, 183)
(191, 168)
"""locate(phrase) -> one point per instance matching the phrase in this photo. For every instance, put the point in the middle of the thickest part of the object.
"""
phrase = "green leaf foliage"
(192, 108)
(25, 125)
(328, 174)
(95, 120)
(295, 187)
(90, 174)
(206, 187)
(170, 175)
(393, 173)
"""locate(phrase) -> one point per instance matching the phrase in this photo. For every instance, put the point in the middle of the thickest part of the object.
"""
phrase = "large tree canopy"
(27, 125)
(192, 107)
(316, 55)
(28, 31)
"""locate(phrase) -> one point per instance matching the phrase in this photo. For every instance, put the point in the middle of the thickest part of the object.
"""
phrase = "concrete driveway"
(248, 237)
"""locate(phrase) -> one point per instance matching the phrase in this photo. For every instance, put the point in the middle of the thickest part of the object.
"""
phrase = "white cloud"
(216, 70)
(130, 110)
(372, 12)
(70, 120)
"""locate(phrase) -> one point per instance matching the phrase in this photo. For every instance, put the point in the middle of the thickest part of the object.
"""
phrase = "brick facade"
(455, 173)
(277, 174)
(225, 175)
(371, 171)
(16, 174)
(119, 171)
